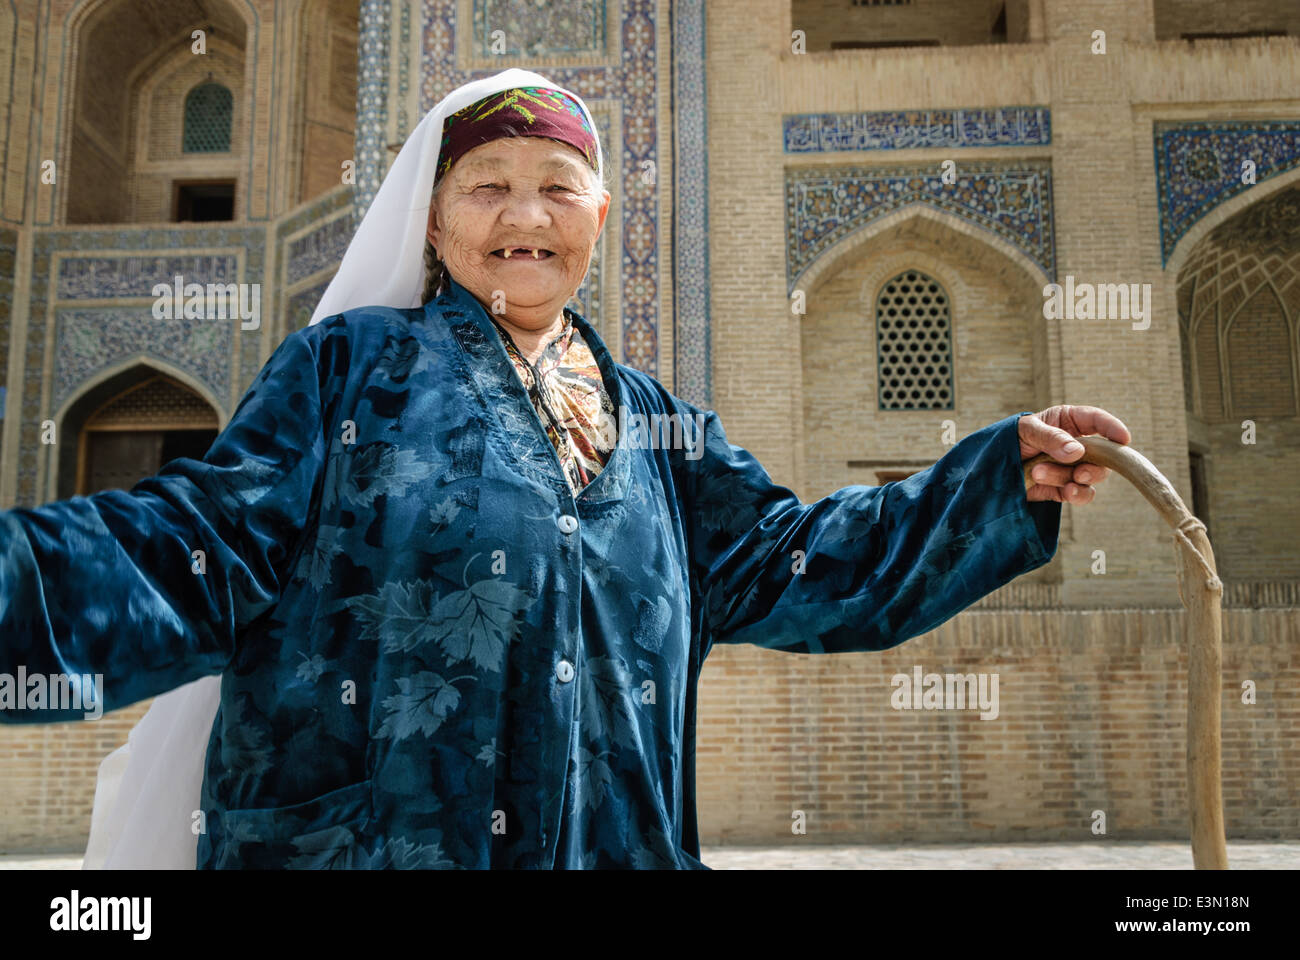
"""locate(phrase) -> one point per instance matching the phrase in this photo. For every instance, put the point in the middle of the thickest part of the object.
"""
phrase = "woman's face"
(513, 193)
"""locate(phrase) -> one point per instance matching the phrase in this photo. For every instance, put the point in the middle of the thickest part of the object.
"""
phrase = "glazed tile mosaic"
(123, 264)
(513, 29)
(918, 129)
(825, 205)
(631, 88)
(1199, 165)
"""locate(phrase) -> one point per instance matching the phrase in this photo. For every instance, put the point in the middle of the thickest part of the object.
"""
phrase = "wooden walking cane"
(1201, 591)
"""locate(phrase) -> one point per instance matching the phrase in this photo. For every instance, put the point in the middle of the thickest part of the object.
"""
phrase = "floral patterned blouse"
(569, 396)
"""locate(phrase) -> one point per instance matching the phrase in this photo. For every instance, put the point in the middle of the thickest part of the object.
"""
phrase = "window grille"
(914, 344)
(208, 113)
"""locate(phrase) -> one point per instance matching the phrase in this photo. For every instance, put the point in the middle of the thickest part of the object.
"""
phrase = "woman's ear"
(433, 229)
(604, 211)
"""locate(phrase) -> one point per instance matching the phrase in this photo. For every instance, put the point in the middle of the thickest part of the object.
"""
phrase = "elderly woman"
(458, 617)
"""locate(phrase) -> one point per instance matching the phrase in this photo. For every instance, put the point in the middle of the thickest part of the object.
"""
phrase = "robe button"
(567, 523)
(564, 670)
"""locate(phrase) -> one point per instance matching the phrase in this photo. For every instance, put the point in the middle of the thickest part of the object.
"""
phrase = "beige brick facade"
(1091, 665)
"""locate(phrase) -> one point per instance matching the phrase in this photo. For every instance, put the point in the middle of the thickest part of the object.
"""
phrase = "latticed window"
(914, 344)
(208, 113)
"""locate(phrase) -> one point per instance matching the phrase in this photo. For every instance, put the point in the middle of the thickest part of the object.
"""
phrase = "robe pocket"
(325, 833)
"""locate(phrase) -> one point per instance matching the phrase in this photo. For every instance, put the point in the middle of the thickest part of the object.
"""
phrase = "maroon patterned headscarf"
(518, 112)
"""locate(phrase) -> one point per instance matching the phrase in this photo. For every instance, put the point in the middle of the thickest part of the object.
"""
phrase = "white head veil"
(148, 790)
(385, 263)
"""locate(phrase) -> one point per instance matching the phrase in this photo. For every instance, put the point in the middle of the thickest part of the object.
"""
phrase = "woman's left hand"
(1053, 432)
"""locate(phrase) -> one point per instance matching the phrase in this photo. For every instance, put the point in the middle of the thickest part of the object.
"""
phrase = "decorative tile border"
(318, 249)
(133, 248)
(114, 278)
(825, 205)
(88, 340)
(692, 370)
(1199, 166)
(311, 243)
(300, 306)
(372, 100)
(573, 27)
(918, 129)
(632, 86)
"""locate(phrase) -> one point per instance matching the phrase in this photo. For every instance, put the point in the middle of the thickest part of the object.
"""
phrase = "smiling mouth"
(524, 253)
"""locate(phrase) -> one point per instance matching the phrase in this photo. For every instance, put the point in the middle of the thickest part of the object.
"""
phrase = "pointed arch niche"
(126, 427)
(1000, 345)
(1238, 297)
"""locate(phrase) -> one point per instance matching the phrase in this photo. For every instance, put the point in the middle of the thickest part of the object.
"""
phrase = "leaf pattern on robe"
(314, 564)
(420, 706)
(334, 848)
(444, 514)
(594, 777)
(398, 853)
(956, 477)
(402, 357)
(943, 550)
(476, 623)
(657, 854)
(607, 708)
(244, 748)
(311, 668)
(236, 490)
(653, 620)
(398, 616)
(379, 468)
(725, 504)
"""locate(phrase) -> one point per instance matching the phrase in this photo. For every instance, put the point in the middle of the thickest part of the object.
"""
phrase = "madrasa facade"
(858, 229)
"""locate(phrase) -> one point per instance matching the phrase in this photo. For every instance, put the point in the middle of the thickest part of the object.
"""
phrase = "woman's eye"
(559, 186)
(492, 186)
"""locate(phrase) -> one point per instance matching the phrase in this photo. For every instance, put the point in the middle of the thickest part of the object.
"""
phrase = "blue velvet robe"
(434, 655)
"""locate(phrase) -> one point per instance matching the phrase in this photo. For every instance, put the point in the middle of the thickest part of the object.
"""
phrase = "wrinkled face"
(532, 198)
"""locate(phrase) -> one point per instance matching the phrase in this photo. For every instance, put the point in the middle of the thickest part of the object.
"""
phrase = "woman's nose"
(525, 209)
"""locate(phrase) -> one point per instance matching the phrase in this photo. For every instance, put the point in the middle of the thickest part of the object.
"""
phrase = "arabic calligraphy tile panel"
(918, 129)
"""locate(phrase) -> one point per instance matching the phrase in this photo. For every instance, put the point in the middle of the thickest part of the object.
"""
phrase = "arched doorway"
(130, 427)
(158, 113)
(1239, 323)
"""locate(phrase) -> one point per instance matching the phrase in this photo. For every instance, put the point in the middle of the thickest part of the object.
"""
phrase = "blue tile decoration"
(1199, 166)
(87, 340)
(632, 88)
(311, 258)
(319, 250)
(372, 100)
(404, 71)
(121, 328)
(918, 129)
(301, 305)
(691, 342)
(1011, 200)
(109, 278)
(534, 29)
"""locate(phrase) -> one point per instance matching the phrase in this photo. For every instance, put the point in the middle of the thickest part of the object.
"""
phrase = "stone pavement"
(1102, 855)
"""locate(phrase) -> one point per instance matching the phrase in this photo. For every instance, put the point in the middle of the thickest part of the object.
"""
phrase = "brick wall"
(47, 779)
(1092, 703)
(1092, 716)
